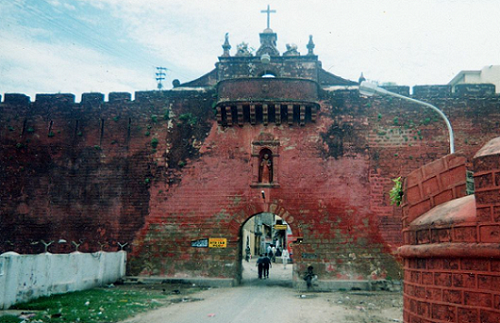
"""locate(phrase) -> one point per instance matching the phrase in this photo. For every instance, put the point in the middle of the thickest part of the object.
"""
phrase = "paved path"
(257, 300)
(265, 300)
(278, 276)
(247, 304)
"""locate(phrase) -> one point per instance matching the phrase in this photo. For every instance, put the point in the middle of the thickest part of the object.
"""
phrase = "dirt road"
(265, 300)
(282, 304)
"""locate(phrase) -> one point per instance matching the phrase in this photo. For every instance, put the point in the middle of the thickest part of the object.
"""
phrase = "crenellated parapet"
(69, 98)
(16, 99)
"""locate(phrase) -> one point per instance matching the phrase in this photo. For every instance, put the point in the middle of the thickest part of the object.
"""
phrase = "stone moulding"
(451, 250)
(287, 89)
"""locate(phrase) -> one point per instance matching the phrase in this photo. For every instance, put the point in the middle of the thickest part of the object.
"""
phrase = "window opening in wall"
(284, 113)
(246, 113)
(271, 113)
(223, 113)
(308, 114)
(258, 114)
(234, 114)
(296, 114)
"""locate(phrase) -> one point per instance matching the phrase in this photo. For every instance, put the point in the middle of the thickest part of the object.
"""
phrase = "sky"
(78, 46)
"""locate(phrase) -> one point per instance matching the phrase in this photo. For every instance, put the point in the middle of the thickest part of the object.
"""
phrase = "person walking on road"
(267, 264)
(248, 255)
(285, 256)
(260, 265)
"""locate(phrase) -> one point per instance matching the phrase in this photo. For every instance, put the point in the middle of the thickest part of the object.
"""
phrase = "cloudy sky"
(76, 46)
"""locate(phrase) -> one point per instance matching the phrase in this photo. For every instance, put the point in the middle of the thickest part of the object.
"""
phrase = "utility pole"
(160, 76)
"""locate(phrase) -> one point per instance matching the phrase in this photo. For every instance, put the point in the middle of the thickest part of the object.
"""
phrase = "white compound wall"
(25, 277)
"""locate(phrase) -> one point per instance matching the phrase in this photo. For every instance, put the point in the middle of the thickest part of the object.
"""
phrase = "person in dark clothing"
(310, 276)
(266, 264)
(260, 265)
(247, 254)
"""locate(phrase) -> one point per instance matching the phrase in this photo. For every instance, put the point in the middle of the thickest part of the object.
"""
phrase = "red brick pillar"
(452, 250)
(433, 184)
(487, 190)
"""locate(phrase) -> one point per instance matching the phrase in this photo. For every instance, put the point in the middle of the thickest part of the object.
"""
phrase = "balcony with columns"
(267, 101)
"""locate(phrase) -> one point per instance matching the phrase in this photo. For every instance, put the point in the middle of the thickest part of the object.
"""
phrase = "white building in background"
(487, 75)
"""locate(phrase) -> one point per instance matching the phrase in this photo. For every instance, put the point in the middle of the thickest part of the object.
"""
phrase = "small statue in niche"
(266, 169)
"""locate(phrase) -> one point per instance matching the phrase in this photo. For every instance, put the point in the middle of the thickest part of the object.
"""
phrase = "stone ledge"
(451, 250)
(349, 285)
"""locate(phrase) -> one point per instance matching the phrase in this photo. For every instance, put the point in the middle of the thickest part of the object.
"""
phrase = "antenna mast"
(160, 76)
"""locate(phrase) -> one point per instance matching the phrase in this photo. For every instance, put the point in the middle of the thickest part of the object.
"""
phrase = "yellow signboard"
(217, 243)
(280, 227)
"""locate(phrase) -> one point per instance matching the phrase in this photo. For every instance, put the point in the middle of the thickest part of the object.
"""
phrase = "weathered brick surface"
(77, 171)
(458, 266)
(432, 185)
(88, 172)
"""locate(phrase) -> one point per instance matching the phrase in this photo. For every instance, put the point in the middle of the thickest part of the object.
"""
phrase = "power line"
(81, 30)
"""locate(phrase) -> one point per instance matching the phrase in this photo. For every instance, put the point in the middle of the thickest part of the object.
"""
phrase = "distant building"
(487, 75)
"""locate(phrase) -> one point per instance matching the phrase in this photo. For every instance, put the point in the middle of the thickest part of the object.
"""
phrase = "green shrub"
(396, 193)
(188, 118)
(154, 142)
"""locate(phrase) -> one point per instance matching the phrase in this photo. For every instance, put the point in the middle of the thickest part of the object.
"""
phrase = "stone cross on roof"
(268, 11)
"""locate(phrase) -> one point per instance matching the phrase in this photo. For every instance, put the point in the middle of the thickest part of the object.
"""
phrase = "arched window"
(268, 75)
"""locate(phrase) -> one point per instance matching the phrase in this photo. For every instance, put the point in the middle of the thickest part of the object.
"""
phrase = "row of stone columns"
(225, 114)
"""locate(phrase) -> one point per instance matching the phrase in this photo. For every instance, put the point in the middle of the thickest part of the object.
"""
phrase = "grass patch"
(91, 306)
(9, 319)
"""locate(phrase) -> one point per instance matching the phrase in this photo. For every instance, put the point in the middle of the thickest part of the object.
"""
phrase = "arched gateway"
(172, 175)
(265, 153)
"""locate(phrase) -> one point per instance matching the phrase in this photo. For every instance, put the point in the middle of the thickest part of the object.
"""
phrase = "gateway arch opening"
(266, 244)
